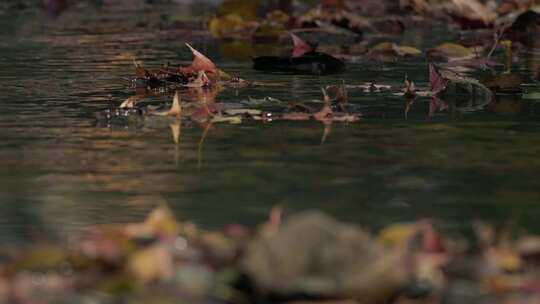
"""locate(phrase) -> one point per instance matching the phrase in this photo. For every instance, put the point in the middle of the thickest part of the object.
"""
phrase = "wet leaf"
(300, 47)
(201, 62)
(251, 112)
(436, 81)
(408, 50)
(389, 51)
(295, 116)
(450, 51)
(226, 119)
(130, 102)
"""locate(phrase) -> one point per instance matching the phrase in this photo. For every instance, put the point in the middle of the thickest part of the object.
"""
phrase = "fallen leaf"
(154, 263)
(201, 62)
(436, 82)
(300, 47)
(450, 51)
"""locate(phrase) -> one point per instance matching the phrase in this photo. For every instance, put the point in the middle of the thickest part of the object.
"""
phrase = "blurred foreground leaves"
(309, 255)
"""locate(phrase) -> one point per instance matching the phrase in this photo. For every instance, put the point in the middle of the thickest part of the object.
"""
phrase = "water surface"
(60, 170)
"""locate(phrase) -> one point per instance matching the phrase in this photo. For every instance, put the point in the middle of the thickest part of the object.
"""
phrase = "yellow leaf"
(507, 259)
(225, 25)
(453, 50)
(154, 263)
(246, 9)
(384, 46)
(397, 234)
(408, 50)
(162, 221)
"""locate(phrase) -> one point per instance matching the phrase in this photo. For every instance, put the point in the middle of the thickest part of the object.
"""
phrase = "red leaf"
(326, 112)
(300, 47)
(295, 116)
(436, 81)
(201, 62)
(203, 113)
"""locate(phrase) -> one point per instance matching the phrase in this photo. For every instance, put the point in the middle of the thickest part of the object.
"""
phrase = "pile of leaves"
(308, 256)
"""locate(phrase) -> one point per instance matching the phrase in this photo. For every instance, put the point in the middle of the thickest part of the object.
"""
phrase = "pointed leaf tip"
(300, 47)
(436, 81)
(200, 61)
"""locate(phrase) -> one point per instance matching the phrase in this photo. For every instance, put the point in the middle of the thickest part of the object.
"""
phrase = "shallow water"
(60, 170)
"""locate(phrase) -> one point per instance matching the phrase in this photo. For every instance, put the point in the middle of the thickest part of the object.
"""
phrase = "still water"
(60, 170)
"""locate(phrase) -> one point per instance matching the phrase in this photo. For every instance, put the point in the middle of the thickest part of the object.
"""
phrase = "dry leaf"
(151, 264)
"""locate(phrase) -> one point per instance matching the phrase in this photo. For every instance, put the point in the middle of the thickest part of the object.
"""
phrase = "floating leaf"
(450, 51)
(251, 112)
(436, 82)
(228, 119)
(130, 102)
(409, 50)
(300, 47)
(201, 62)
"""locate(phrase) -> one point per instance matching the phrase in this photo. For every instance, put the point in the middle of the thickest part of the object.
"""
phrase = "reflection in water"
(176, 128)
(408, 104)
(506, 104)
(207, 127)
(327, 130)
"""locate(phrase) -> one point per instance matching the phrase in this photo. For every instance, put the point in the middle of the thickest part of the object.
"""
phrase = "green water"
(60, 170)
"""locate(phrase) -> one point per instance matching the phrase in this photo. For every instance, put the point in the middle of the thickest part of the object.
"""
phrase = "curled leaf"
(300, 47)
(201, 62)
(436, 82)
